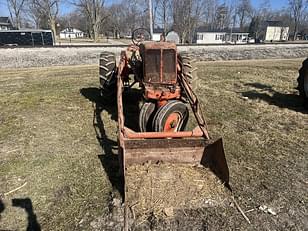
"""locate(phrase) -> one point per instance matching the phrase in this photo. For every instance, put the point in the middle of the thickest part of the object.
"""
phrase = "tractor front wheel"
(146, 116)
(171, 117)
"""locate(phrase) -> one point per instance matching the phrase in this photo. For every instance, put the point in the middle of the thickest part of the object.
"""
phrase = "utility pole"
(151, 18)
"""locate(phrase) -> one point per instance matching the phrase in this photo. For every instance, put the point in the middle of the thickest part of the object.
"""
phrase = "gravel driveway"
(40, 57)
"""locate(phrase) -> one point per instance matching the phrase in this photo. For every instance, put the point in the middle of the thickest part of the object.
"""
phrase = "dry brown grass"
(153, 188)
(47, 139)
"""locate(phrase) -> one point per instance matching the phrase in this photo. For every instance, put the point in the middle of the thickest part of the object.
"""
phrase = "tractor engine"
(160, 71)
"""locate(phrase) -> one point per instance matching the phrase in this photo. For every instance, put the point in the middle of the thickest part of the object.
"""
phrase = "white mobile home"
(210, 37)
(71, 33)
(204, 36)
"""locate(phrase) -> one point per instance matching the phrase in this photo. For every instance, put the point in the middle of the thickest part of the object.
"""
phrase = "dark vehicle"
(26, 38)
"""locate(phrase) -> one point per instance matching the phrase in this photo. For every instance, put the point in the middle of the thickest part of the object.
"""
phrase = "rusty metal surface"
(209, 153)
(128, 133)
(161, 93)
(158, 45)
(195, 104)
(169, 66)
(156, 68)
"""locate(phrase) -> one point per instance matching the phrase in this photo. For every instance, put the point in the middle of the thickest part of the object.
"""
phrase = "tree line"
(97, 18)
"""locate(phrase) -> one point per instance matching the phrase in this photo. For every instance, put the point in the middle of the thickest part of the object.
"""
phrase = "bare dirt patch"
(57, 135)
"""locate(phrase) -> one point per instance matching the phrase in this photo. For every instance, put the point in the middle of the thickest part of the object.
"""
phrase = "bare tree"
(259, 16)
(297, 9)
(95, 12)
(48, 9)
(162, 13)
(15, 8)
(244, 12)
(74, 19)
(265, 10)
(136, 14)
(35, 16)
(187, 15)
(116, 22)
(210, 13)
(222, 17)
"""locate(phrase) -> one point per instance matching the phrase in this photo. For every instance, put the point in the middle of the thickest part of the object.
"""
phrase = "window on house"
(219, 37)
(200, 37)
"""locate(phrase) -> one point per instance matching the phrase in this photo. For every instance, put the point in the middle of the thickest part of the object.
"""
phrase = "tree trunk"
(52, 24)
(295, 30)
(18, 21)
(241, 22)
(95, 32)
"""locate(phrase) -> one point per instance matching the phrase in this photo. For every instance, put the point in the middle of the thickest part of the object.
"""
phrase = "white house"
(156, 34)
(71, 33)
(276, 31)
(5, 23)
(205, 36)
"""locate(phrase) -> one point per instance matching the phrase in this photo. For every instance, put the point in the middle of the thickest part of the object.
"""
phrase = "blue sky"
(275, 4)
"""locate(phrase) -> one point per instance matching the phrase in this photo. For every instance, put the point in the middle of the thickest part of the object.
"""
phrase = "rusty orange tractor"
(165, 80)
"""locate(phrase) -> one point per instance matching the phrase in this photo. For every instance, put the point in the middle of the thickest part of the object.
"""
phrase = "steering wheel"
(139, 35)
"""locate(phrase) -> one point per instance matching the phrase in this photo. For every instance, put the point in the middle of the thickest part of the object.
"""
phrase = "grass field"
(65, 160)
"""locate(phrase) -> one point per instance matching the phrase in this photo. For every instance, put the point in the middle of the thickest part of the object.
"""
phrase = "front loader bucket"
(196, 151)
(163, 175)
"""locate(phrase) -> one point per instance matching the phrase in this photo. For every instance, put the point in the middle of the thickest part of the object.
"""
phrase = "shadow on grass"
(260, 86)
(2, 207)
(290, 101)
(109, 159)
(26, 204)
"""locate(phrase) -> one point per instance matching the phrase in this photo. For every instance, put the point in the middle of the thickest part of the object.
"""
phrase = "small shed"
(5, 23)
(276, 31)
(71, 33)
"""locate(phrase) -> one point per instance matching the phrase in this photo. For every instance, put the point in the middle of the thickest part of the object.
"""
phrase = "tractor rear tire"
(171, 117)
(107, 74)
(146, 116)
(188, 69)
(303, 80)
